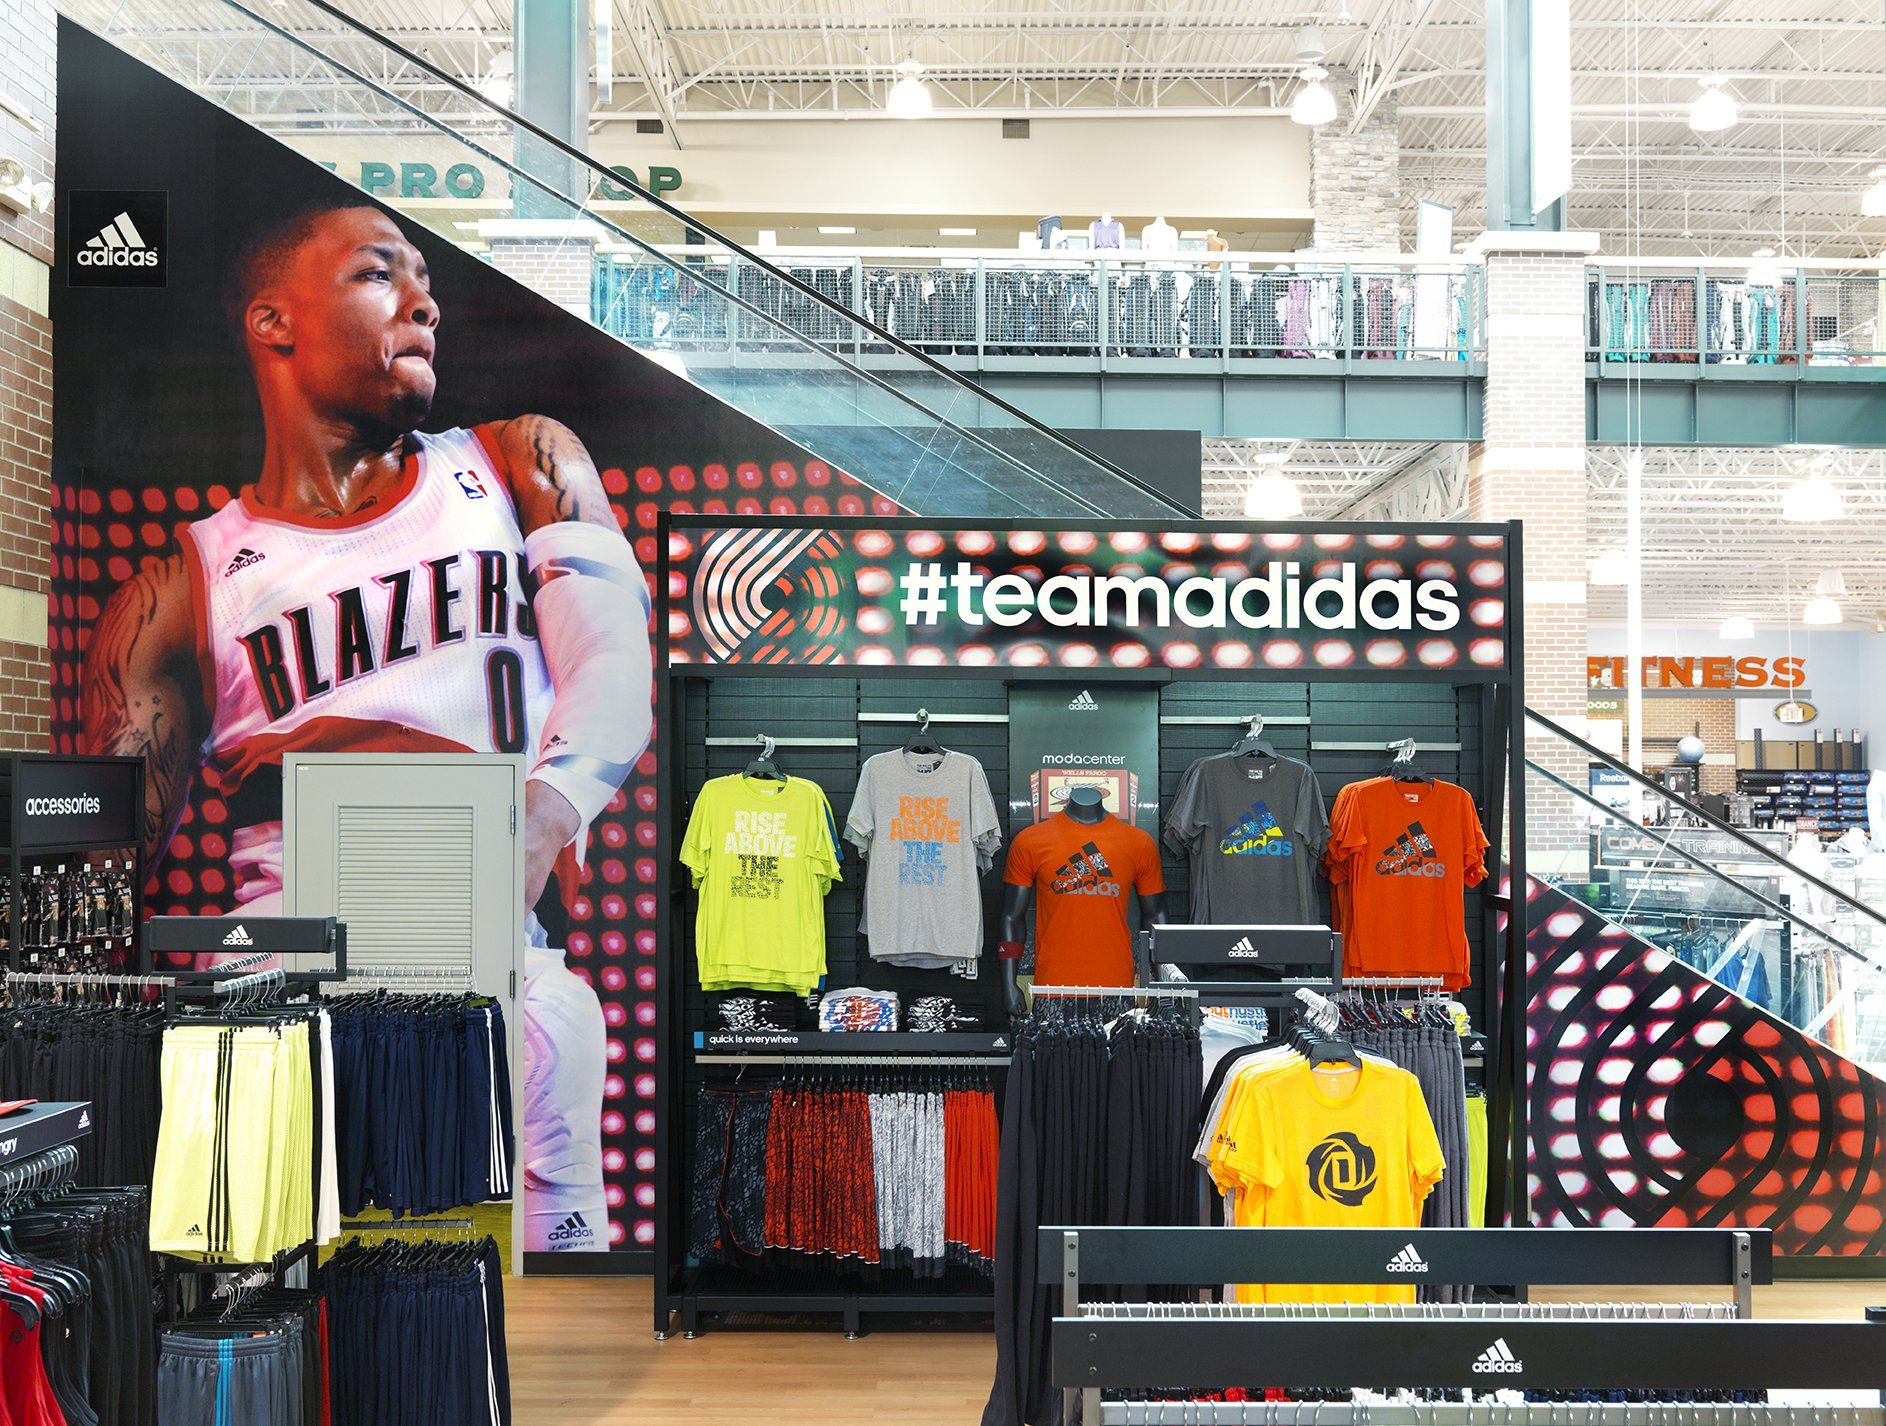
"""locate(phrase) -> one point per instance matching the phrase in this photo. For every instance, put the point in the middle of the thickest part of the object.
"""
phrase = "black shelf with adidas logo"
(42, 1127)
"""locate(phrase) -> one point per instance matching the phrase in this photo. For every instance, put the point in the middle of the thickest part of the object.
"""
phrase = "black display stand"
(760, 641)
(63, 811)
(43, 1127)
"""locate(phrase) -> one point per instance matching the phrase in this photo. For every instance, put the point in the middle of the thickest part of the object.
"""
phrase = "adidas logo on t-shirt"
(196, 1232)
(238, 937)
(1498, 1358)
(1407, 1261)
(1243, 947)
(573, 1230)
(244, 558)
(1083, 702)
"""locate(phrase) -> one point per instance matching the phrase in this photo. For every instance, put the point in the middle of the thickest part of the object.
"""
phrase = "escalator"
(1706, 1026)
(781, 349)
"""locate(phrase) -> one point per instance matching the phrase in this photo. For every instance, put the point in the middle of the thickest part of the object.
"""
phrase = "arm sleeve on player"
(592, 619)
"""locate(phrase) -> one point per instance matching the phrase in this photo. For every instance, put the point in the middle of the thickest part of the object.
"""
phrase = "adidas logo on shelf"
(1498, 1358)
(1243, 947)
(238, 937)
(85, 1119)
(1407, 1261)
(1083, 702)
(118, 244)
(244, 558)
(572, 1230)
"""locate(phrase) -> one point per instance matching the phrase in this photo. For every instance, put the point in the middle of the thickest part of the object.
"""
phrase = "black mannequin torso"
(1084, 804)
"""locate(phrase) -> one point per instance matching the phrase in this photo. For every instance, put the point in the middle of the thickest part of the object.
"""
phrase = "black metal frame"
(1173, 1351)
(16, 857)
(1502, 770)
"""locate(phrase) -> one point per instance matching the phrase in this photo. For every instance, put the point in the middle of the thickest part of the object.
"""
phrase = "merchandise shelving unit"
(828, 712)
(44, 1126)
(64, 812)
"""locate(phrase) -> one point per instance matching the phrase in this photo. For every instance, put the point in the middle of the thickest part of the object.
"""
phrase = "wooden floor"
(583, 1353)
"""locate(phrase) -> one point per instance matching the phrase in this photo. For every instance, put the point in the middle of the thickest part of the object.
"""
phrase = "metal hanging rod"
(1419, 1311)
(463, 973)
(934, 717)
(1235, 720)
(785, 742)
(967, 1061)
(1394, 982)
(408, 1225)
(1114, 992)
(82, 978)
(1375, 1411)
(1316, 747)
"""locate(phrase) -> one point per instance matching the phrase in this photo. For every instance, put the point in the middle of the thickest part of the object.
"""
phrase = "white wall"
(1846, 676)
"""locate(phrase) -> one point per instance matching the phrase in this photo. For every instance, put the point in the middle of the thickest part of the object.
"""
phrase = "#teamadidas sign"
(117, 238)
(1336, 599)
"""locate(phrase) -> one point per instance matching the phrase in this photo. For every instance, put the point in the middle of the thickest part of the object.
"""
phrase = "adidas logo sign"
(1083, 702)
(196, 1232)
(118, 244)
(1407, 1261)
(1243, 947)
(244, 558)
(1498, 1358)
(572, 1230)
(238, 937)
(85, 1119)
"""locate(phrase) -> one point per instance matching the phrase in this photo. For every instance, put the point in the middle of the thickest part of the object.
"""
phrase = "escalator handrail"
(878, 335)
(1598, 755)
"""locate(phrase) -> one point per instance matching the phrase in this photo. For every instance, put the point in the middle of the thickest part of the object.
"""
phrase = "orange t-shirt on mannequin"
(1084, 874)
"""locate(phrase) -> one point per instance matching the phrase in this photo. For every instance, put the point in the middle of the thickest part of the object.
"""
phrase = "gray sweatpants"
(250, 1381)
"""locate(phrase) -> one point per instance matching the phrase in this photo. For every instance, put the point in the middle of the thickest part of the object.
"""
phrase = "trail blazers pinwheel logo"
(771, 596)
(1342, 1169)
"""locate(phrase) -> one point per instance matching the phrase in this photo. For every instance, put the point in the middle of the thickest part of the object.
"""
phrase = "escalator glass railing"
(1790, 926)
(784, 352)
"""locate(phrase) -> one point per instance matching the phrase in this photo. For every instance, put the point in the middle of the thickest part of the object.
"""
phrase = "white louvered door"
(416, 855)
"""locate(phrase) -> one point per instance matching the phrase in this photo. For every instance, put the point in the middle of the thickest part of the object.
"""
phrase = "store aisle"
(582, 1354)
(619, 1374)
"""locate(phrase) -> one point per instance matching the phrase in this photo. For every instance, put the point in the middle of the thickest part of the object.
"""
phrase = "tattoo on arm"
(132, 706)
(553, 475)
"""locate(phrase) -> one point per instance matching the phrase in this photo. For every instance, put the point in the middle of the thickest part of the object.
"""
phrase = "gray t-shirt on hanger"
(1254, 830)
(928, 829)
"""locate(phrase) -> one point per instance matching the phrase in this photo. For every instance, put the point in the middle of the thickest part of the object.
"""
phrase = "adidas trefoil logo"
(1498, 1358)
(572, 1230)
(118, 244)
(1407, 1261)
(1083, 702)
(238, 937)
(1243, 947)
(244, 558)
(85, 1119)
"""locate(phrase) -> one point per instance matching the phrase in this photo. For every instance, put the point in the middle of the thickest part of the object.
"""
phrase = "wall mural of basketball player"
(379, 588)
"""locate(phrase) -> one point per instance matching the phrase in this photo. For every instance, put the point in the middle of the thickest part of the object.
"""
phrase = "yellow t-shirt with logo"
(1335, 1146)
(763, 854)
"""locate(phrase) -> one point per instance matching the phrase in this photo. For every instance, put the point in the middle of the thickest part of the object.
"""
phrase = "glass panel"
(1744, 915)
(784, 347)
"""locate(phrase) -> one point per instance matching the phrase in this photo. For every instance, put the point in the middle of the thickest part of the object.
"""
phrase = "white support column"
(1531, 466)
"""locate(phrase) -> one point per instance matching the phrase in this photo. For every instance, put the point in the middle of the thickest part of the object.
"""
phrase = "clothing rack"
(1114, 992)
(445, 975)
(1182, 1346)
(1395, 982)
(959, 1061)
(409, 1225)
(47, 1169)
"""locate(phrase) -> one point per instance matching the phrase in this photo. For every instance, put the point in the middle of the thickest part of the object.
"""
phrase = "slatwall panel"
(404, 876)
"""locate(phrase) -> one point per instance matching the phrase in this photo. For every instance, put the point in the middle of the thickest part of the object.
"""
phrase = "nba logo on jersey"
(469, 482)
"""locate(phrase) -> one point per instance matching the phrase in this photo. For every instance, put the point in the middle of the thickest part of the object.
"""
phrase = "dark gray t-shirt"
(1254, 830)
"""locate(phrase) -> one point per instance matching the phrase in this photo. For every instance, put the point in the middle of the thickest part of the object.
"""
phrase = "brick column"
(1355, 179)
(1531, 467)
(26, 254)
(553, 257)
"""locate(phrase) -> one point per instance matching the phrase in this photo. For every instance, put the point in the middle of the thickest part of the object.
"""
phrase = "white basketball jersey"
(401, 628)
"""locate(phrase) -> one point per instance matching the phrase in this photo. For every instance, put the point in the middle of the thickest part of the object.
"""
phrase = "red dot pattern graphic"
(1658, 1099)
(612, 921)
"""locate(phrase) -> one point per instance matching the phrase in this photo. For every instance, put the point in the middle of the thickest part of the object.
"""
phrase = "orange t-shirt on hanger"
(1401, 856)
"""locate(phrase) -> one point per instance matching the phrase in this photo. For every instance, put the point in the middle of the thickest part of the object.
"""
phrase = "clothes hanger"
(1253, 741)
(763, 767)
(922, 742)
(1402, 767)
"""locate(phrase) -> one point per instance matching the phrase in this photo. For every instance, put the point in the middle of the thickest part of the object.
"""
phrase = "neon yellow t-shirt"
(1337, 1146)
(763, 855)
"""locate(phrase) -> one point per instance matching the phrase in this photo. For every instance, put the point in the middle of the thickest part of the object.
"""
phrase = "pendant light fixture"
(910, 96)
(1715, 108)
(1314, 104)
(1735, 628)
(1873, 201)
(1273, 496)
(1812, 500)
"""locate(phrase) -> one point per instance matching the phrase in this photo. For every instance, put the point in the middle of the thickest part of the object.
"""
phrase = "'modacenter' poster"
(307, 456)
